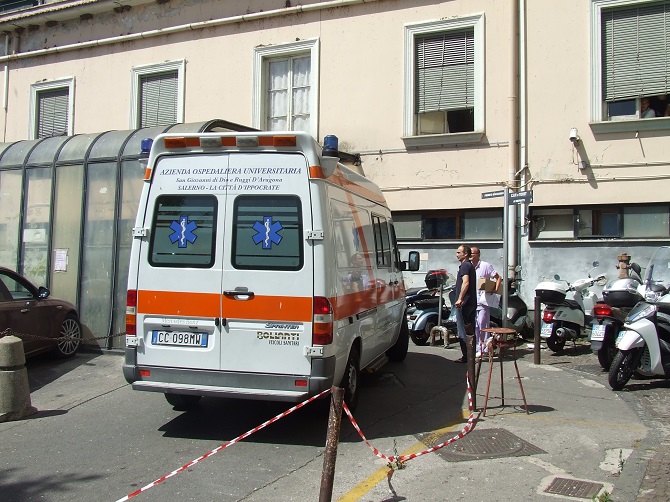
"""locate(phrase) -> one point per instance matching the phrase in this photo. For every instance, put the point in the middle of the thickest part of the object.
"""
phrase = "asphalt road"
(95, 438)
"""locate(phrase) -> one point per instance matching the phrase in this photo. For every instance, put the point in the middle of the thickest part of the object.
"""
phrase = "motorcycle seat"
(572, 304)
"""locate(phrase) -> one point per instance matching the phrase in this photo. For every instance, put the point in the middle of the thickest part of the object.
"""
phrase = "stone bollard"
(14, 389)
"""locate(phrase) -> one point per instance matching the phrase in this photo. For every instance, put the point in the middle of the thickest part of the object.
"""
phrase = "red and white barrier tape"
(403, 458)
(223, 446)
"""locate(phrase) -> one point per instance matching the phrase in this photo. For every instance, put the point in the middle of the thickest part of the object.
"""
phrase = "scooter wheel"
(419, 337)
(555, 343)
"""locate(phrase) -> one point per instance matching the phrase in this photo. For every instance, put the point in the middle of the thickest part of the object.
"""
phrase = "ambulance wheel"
(398, 352)
(352, 379)
(182, 402)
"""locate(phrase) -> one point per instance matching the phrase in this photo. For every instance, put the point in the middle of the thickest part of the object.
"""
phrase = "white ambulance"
(261, 268)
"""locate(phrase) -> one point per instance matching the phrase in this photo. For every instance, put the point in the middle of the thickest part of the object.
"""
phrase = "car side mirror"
(43, 292)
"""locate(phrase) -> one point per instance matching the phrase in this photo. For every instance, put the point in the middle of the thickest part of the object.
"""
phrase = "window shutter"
(445, 71)
(636, 51)
(52, 109)
(158, 102)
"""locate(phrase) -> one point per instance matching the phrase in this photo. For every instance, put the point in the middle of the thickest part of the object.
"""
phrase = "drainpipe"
(5, 91)
(511, 234)
(513, 160)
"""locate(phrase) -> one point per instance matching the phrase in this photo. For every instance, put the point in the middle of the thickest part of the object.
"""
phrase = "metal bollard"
(537, 323)
(14, 388)
(332, 440)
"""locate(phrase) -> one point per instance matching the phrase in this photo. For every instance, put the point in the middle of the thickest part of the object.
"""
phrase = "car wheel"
(398, 352)
(182, 402)
(69, 337)
(351, 379)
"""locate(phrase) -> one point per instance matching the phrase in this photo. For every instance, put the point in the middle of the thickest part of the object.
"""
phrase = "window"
(626, 222)
(286, 87)
(158, 95)
(444, 81)
(51, 105)
(597, 222)
(267, 233)
(474, 225)
(633, 75)
(183, 231)
(382, 243)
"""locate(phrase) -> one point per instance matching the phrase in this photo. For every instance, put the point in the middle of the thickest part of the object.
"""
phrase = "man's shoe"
(461, 360)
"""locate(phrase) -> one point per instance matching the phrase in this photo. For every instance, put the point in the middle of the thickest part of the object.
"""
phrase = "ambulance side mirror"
(412, 263)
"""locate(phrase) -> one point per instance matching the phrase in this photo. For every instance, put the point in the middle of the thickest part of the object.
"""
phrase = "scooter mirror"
(601, 280)
(596, 264)
(557, 277)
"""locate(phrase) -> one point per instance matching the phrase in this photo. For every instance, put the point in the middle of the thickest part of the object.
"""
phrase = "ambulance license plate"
(598, 332)
(179, 338)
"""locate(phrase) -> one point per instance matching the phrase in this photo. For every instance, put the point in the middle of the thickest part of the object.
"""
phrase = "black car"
(44, 323)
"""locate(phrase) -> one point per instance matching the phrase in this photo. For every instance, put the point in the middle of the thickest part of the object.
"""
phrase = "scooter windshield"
(658, 270)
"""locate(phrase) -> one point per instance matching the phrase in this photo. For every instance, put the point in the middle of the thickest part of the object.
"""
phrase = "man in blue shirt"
(466, 297)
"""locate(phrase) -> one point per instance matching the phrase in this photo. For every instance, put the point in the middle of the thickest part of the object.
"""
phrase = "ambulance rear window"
(183, 232)
(267, 233)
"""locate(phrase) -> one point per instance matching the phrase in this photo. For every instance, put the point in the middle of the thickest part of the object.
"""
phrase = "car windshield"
(658, 270)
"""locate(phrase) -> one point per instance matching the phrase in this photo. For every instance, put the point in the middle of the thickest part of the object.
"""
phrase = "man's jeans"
(461, 321)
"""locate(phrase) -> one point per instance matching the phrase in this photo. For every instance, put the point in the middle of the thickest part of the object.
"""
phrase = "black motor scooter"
(517, 313)
(619, 297)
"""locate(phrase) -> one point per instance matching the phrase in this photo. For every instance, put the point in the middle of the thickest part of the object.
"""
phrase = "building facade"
(442, 101)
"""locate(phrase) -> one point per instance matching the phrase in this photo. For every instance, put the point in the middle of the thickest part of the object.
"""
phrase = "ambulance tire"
(182, 402)
(351, 380)
(399, 350)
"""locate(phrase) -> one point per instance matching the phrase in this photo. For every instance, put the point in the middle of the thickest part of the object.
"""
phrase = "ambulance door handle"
(216, 322)
(239, 292)
(222, 322)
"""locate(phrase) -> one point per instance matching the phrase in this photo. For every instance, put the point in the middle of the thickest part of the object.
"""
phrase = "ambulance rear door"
(180, 271)
(268, 270)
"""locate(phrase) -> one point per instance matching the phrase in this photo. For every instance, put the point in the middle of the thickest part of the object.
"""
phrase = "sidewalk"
(579, 438)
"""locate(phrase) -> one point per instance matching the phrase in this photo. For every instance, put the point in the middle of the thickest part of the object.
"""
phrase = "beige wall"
(625, 166)
(361, 92)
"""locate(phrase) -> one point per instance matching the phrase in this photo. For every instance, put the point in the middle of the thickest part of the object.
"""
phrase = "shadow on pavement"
(45, 368)
(424, 393)
(39, 487)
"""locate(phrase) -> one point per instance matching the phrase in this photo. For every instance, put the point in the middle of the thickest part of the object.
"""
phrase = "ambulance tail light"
(131, 312)
(322, 329)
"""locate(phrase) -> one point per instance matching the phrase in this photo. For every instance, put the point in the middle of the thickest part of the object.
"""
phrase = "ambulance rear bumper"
(232, 384)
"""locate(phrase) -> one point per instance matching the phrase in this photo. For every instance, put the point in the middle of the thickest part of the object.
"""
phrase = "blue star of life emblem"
(183, 231)
(267, 232)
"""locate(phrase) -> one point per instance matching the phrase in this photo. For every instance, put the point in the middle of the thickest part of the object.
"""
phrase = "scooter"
(423, 309)
(517, 313)
(568, 311)
(425, 317)
(644, 343)
(619, 297)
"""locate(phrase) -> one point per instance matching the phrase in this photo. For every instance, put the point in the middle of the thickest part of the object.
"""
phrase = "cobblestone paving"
(651, 395)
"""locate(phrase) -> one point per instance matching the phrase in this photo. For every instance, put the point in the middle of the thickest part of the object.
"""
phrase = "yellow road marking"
(380, 474)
